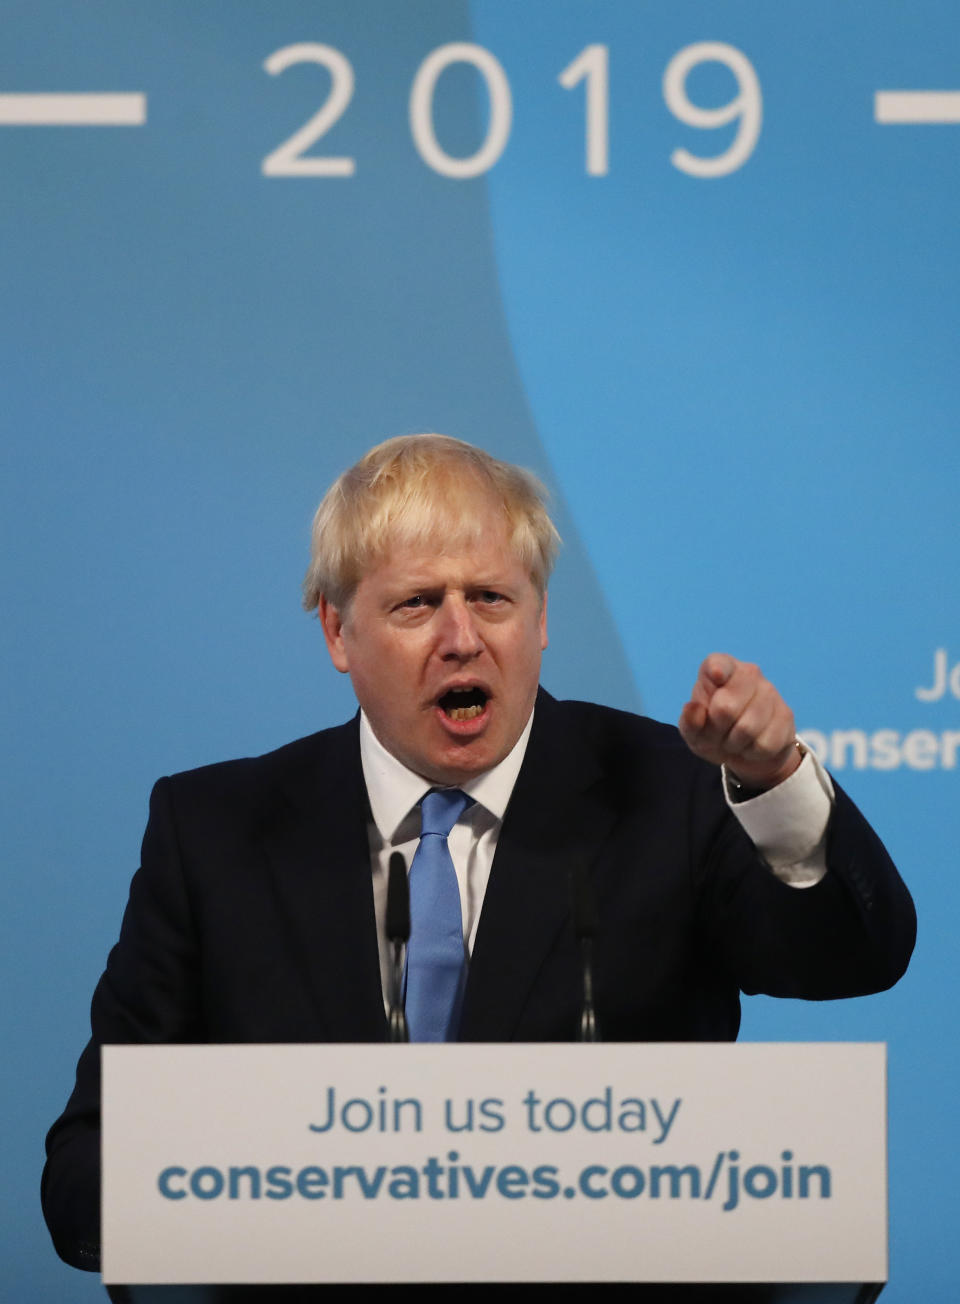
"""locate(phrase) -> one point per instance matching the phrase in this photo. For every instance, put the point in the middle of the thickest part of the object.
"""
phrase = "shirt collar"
(394, 790)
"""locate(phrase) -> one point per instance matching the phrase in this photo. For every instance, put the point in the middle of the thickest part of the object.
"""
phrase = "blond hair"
(423, 489)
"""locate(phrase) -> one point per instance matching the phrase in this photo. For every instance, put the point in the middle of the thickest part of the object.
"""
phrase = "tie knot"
(440, 809)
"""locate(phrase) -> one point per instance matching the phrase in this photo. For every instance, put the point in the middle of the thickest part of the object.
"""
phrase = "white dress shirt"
(787, 825)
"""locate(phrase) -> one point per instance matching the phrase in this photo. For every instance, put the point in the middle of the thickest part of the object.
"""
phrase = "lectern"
(753, 1172)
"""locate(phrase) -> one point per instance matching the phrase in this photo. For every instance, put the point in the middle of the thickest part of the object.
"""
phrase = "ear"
(543, 624)
(333, 634)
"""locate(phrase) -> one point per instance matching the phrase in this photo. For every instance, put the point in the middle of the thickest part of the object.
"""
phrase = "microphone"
(398, 934)
(585, 923)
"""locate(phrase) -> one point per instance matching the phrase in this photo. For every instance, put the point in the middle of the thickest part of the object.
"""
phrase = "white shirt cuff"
(788, 823)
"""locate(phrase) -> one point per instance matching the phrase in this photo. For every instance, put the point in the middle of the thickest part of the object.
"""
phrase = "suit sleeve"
(850, 934)
(148, 993)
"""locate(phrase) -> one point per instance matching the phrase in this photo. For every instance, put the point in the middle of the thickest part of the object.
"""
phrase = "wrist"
(745, 786)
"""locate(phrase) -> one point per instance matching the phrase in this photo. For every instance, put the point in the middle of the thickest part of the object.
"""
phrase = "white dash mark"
(80, 110)
(917, 106)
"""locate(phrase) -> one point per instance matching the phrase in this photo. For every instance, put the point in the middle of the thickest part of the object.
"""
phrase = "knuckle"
(723, 708)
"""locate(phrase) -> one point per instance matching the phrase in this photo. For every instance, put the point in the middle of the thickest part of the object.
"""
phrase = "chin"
(453, 770)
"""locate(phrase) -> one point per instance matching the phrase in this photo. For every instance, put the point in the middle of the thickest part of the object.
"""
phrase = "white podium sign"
(752, 1162)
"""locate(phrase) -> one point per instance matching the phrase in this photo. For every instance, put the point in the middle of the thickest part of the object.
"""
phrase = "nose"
(459, 636)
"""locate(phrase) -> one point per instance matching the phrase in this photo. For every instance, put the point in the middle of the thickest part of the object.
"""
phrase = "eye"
(414, 601)
(489, 597)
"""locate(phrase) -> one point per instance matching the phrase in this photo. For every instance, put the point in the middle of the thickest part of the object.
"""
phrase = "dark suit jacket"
(252, 920)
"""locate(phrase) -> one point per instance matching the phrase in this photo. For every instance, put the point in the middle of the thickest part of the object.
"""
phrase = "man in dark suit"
(257, 913)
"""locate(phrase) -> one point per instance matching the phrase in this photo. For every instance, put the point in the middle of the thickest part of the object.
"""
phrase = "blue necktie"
(435, 954)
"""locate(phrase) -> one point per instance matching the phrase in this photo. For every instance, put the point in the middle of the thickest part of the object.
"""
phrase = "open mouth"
(463, 703)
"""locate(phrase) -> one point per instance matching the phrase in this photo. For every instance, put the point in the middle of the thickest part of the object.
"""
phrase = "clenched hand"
(735, 717)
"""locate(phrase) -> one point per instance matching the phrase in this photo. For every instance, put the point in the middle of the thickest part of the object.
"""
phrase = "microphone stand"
(398, 934)
(585, 927)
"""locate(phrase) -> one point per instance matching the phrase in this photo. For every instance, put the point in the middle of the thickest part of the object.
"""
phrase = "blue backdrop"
(681, 258)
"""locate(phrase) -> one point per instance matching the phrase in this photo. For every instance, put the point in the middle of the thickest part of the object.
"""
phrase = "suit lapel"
(319, 857)
(557, 818)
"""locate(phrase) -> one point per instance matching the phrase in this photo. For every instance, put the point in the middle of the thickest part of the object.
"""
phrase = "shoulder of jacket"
(277, 765)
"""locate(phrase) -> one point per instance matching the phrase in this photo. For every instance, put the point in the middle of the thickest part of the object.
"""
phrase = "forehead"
(455, 562)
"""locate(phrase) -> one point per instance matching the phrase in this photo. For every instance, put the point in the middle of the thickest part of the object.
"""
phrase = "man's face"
(444, 654)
